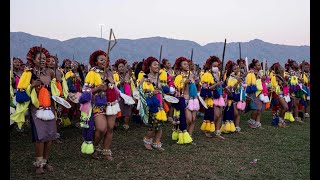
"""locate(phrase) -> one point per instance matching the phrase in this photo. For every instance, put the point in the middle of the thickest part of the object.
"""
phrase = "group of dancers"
(97, 98)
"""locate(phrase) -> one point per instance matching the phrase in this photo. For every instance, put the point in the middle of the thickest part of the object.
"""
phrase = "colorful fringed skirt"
(42, 131)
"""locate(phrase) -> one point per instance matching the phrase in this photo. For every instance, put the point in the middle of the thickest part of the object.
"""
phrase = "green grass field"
(282, 153)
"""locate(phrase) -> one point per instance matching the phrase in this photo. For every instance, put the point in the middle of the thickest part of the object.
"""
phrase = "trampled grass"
(282, 153)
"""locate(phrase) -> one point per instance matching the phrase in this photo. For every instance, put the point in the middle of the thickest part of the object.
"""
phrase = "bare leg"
(101, 128)
(284, 106)
(189, 121)
(108, 136)
(47, 149)
(39, 157)
(217, 121)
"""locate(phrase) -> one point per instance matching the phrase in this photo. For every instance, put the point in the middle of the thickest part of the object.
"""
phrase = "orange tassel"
(166, 106)
(60, 88)
(268, 105)
(118, 114)
(44, 97)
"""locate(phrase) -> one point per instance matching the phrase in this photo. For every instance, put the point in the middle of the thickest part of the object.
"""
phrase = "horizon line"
(152, 37)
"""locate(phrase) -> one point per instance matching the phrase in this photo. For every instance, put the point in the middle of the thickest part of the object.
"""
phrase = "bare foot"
(148, 146)
(220, 137)
(208, 135)
(95, 155)
(39, 170)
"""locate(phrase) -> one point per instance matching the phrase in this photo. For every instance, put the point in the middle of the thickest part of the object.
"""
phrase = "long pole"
(224, 50)
(101, 30)
(240, 50)
(109, 44)
(190, 62)
(159, 61)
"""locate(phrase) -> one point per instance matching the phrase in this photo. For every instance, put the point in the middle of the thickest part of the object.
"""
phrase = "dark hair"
(138, 69)
(253, 63)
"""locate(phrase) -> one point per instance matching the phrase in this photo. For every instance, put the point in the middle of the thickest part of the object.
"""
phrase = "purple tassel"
(85, 97)
(228, 113)
(100, 100)
(181, 105)
(88, 133)
(183, 121)
(209, 114)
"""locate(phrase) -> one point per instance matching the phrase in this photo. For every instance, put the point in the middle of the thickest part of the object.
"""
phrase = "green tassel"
(84, 147)
(90, 149)
(175, 135)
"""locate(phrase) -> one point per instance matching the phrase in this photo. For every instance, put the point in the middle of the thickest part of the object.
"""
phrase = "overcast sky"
(203, 21)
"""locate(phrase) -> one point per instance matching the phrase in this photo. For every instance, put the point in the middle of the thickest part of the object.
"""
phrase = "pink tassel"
(191, 105)
(196, 105)
(285, 90)
(85, 107)
(215, 102)
(159, 98)
(221, 102)
(17, 81)
(127, 89)
(264, 88)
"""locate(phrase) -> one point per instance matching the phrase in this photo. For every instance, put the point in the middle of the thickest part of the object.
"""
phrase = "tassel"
(291, 119)
(172, 90)
(228, 126)
(176, 113)
(22, 96)
(108, 110)
(159, 98)
(193, 90)
(223, 128)
(191, 105)
(203, 125)
(165, 89)
(44, 112)
(175, 135)
(111, 94)
(24, 81)
(209, 102)
(100, 100)
(196, 104)
(59, 86)
(166, 106)
(232, 127)
(121, 89)
(186, 137)
(85, 97)
(207, 126)
(90, 148)
(212, 127)
(84, 147)
(181, 140)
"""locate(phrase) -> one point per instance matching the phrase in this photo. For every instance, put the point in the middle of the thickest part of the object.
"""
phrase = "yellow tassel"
(180, 141)
(140, 76)
(34, 98)
(248, 79)
(163, 75)
(25, 80)
(65, 88)
(212, 127)
(186, 137)
(286, 116)
(273, 81)
(147, 86)
(232, 82)
(116, 77)
(175, 135)
(209, 102)
(223, 128)
(97, 79)
(178, 82)
(232, 127)
(228, 127)
(207, 78)
(90, 77)
(203, 125)
(229, 102)
(291, 119)
(161, 115)
(69, 74)
(207, 126)
(176, 113)
(253, 80)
